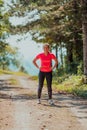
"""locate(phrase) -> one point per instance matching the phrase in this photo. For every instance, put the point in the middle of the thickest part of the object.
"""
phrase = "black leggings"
(42, 76)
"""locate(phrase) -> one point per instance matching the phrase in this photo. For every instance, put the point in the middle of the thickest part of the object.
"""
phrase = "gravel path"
(19, 109)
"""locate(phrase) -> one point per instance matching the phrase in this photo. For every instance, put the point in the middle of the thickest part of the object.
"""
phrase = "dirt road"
(19, 109)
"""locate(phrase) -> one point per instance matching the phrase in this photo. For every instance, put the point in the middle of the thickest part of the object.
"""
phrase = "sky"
(26, 46)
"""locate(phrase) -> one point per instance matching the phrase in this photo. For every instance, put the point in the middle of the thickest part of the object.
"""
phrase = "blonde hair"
(46, 44)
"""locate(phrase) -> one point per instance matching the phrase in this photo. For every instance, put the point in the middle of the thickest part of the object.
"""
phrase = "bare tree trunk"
(84, 29)
(69, 58)
(3, 66)
(84, 26)
(56, 54)
(61, 55)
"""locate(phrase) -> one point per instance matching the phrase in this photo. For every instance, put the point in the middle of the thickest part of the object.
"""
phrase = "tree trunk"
(56, 54)
(69, 58)
(3, 66)
(77, 44)
(84, 29)
(61, 55)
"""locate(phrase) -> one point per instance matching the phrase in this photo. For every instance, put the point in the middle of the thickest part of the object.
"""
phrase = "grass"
(72, 85)
(13, 81)
(5, 72)
(34, 77)
(12, 73)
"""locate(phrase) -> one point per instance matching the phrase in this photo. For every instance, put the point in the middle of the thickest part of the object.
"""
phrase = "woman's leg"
(49, 84)
(40, 86)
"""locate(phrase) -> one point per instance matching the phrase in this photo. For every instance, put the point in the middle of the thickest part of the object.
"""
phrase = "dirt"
(19, 109)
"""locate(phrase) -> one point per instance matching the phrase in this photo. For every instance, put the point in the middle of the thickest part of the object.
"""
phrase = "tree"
(7, 53)
(4, 22)
(60, 26)
(84, 28)
(22, 69)
(8, 56)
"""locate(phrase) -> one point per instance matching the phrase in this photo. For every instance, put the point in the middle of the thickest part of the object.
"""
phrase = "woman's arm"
(34, 62)
(56, 63)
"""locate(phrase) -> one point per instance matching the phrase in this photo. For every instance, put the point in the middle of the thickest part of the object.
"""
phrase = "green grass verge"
(5, 72)
(73, 85)
(13, 73)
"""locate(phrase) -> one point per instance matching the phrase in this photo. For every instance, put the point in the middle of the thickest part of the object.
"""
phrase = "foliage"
(8, 56)
(7, 53)
(72, 84)
(60, 25)
(22, 69)
(80, 68)
(4, 22)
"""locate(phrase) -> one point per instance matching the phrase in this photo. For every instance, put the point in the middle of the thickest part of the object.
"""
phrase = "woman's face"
(46, 48)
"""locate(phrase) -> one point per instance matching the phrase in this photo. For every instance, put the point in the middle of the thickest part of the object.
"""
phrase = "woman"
(45, 71)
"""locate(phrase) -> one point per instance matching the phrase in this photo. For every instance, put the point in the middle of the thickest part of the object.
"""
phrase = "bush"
(80, 68)
(72, 84)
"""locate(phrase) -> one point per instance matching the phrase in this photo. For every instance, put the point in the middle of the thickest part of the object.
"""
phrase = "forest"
(25, 26)
(61, 23)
